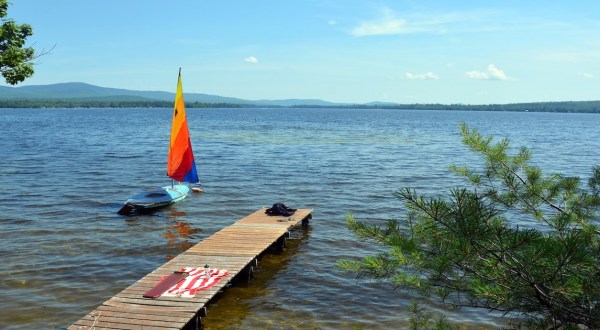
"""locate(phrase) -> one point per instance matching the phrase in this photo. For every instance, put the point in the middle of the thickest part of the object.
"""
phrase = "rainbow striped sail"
(181, 165)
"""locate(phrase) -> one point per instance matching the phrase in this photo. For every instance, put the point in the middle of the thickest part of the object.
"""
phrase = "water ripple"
(65, 250)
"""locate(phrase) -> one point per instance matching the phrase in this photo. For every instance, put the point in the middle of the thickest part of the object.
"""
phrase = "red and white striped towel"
(195, 281)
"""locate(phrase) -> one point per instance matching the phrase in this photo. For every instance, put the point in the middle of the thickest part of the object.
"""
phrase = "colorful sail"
(181, 165)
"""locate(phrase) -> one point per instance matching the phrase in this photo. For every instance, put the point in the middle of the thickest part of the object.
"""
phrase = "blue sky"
(473, 52)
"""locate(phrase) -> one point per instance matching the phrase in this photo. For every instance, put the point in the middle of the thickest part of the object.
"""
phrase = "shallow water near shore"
(64, 173)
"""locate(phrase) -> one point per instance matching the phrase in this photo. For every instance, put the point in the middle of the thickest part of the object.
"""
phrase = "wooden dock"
(233, 248)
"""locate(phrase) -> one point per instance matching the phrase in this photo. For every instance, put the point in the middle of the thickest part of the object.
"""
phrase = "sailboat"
(181, 166)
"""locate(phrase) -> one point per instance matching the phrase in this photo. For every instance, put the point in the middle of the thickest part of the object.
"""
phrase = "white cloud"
(331, 22)
(390, 23)
(251, 59)
(387, 24)
(492, 73)
(586, 75)
(496, 73)
(477, 75)
(421, 76)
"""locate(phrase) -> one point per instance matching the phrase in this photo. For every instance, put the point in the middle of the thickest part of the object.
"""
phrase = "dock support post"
(306, 220)
(281, 242)
(250, 273)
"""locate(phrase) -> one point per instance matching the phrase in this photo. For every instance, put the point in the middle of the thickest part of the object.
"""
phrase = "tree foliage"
(517, 241)
(565, 106)
(15, 60)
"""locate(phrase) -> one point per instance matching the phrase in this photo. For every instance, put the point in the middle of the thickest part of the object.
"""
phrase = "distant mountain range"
(83, 91)
(82, 95)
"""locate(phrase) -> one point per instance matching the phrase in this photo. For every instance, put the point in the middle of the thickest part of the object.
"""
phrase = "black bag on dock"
(280, 209)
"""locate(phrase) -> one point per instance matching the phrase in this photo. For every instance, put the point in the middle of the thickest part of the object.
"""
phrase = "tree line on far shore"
(107, 104)
(568, 106)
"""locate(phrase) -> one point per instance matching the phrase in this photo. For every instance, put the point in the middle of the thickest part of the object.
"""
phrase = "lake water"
(65, 172)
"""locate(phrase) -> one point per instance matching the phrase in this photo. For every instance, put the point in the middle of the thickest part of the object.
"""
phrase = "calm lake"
(64, 173)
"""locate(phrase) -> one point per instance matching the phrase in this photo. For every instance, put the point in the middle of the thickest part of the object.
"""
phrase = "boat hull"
(155, 199)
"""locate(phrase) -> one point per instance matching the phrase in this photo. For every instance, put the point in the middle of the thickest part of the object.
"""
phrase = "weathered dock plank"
(233, 248)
